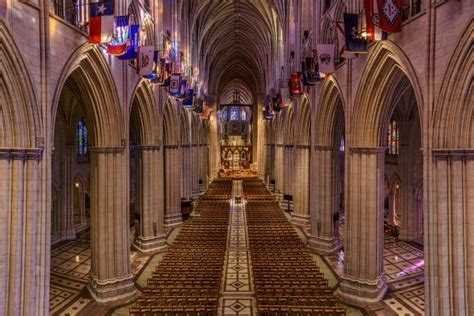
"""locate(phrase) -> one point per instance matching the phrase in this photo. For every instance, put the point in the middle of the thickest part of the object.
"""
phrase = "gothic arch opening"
(327, 181)
(89, 143)
(385, 138)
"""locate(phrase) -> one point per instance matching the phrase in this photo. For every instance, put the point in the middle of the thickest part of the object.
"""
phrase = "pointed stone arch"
(449, 218)
(453, 119)
(20, 120)
(171, 123)
(386, 69)
(144, 116)
(329, 116)
(303, 129)
(83, 71)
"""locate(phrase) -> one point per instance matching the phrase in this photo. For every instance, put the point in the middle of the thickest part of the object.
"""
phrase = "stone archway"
(172, 164)
(110, 275)
(23, 198)
(387, 70)
(448, 192)
(326, 170)
(302, 156)
(146, 158)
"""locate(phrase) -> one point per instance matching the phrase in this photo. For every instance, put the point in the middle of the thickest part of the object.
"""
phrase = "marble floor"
(237, 296)
(70, 266)
(404, 267)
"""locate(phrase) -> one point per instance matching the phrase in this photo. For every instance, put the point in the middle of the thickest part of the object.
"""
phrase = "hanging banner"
(390, 15)
(145, 60)
(101, 22)
(155, 73)
(133, 38)
(188, 100)
(354, 43)
(326, 58)
(296, 86)
(374, 32)
(198, 103)
(175, 84)
(120, 43)
(341, 40)
(310, 69)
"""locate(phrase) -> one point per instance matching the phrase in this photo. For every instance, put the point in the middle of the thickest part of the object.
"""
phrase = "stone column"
(196, 162)
(172, 187)
(324, 237)
(301, 214)
(288, 176)
(408, 195)
(67, 197)
(278, 168)
(449, 234)
(150, 200)
(269, 165)
(110, 277)
(364, 280)
(23, 231)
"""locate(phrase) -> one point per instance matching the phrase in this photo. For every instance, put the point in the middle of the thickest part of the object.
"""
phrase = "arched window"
(224, 114)
(342, 146)
(234, 113)
(244, 115)
(393, 138)
(81, 137)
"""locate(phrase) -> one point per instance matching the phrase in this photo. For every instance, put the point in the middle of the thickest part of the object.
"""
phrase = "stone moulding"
(21, 153)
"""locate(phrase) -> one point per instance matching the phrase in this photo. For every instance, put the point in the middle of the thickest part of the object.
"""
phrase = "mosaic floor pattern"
(237, 291)
(404, 267)
(70, 266)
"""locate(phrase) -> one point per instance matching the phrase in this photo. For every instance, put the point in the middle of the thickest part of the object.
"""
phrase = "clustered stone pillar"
(301, 214)
(450, 227)
(150, 199)
(20, 222)
(196, 162)
(172, 188)
(324, 237)
(278, 169)
(110, 277)
(363, 279)
(67, 194)
(186, 173)
(269, 166)
(288, 175)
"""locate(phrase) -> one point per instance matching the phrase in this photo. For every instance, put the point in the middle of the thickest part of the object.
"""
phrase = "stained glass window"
(244, 115)
(393, 138)
(342, 146)
(224, 114)
(234, 113)
(81, 137)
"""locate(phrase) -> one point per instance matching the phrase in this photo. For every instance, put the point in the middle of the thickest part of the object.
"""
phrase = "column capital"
(20, 153)
(148, 147)
(107, 150)
(171, 146)
(325, 148)
(453, 152)
(366, 150)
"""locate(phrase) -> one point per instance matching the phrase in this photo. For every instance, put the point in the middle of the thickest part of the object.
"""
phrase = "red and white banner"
(390, 15)
(101, 22)
(374, 32)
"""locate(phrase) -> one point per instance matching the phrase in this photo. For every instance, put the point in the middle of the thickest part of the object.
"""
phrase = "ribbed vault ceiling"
(236, 44)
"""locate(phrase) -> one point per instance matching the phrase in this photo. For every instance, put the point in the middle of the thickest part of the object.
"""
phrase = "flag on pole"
(354, 43)
(101, 21)
(145, 60)
(154, 75)
(326, 57)
(390, 15)
(374, 32)
(341, 40)
(133, 37)
(120, 43)
(189, 97)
